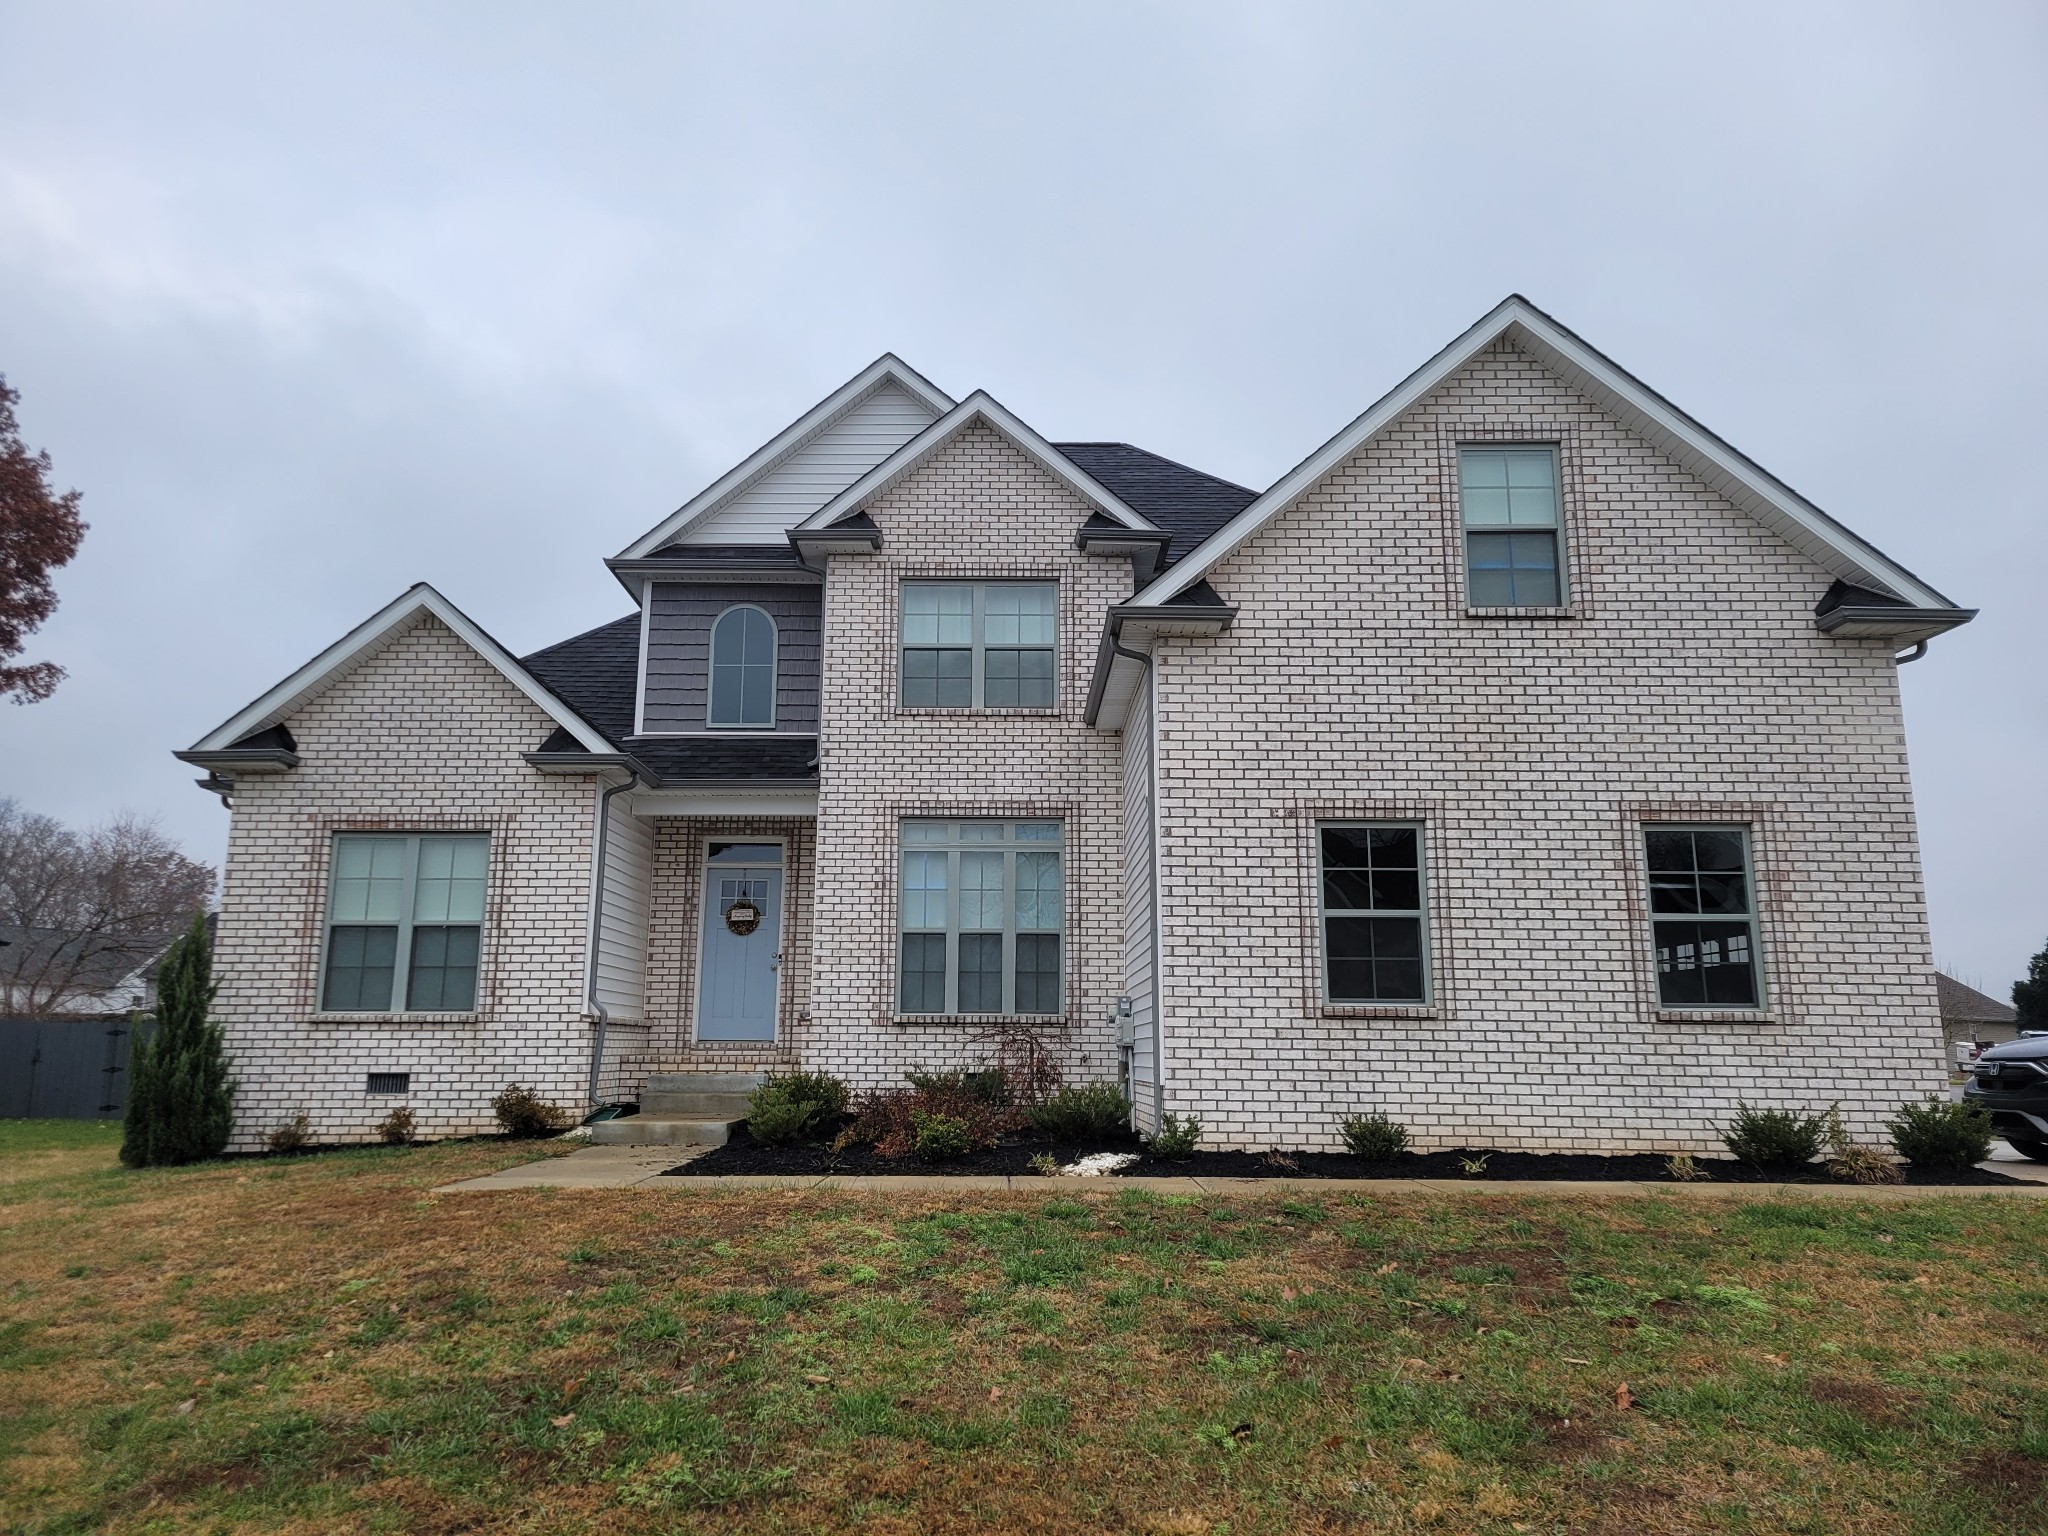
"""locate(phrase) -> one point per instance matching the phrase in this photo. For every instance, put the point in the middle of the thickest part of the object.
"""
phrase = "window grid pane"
(404, 923)
(1508, 501)
(981, 913)
(986, 645)
(1701, 917)
(742, 669)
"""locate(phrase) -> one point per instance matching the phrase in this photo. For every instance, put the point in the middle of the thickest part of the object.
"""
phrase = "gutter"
(590, 998)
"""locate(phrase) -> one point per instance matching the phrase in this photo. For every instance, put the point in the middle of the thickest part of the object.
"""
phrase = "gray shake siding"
(679, 622)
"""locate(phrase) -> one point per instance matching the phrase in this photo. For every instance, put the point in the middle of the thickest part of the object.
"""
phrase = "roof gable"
(1745, 483)
(979, 408)
(365, 641)
(1184, 502)
(832, 444)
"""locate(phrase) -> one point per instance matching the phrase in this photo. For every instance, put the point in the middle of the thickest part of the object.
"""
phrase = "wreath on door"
(743, 916)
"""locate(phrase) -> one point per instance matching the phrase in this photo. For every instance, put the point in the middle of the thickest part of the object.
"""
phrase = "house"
(1526, 763)
(63, 973)
(1969, 1019)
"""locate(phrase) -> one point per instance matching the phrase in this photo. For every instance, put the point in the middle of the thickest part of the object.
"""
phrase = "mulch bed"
(743, 1155)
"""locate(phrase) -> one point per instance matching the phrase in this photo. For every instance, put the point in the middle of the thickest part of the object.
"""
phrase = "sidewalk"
(643, 1167)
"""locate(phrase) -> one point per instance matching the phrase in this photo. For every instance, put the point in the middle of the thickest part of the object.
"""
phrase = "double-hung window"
(978, 644)
(980, 918)
(1703, 917)
(1509, 501)
(404, 923)
(1374, 945)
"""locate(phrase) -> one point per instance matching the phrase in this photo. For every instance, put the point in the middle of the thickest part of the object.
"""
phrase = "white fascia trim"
(888, 368)
(1773, 503)
(369, 637)
(977, 407)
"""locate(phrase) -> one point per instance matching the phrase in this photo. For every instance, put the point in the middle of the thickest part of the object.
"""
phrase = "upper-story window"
(1509, 500)
(742, 669)
(979, 644)
(405, 921)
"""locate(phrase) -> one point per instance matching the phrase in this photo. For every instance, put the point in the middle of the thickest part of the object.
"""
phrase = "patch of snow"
(1096, 1164)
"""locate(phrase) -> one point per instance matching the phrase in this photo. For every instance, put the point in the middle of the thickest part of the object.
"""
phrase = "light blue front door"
(736, 992)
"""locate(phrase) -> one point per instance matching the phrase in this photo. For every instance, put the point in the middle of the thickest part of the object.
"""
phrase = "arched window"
(743, 668)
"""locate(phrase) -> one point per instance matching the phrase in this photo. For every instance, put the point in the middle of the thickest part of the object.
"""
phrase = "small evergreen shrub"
(181, 1100)
(1176, 1138)
(1375, 1137)
(295, 1135)
(941, 1138)
(1936, 1133)
(983, 1083)
(798, 1106)
(522, 1112)
(1775, 1138)
(397, 1128)
(1088, 1112)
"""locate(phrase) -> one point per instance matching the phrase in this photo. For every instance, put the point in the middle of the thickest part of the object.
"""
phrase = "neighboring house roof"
(218, 748)
(886, 370)
(1966, 1005)
(107, 967)
(1184, 502)
(1749, 486)
(979, 408)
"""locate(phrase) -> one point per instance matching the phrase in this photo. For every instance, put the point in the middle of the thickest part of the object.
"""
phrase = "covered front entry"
(741, 959)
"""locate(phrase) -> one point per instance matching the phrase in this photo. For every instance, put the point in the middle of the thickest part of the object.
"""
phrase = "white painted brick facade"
(976, 509)
(1688, 683)
(423, 736)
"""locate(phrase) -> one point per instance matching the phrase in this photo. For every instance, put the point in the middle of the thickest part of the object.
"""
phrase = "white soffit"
(886, 369)
(1645, 412)
(370, 637)
(984, 408)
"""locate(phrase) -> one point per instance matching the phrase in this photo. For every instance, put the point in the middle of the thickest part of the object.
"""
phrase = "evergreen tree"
(2030, 997)
(180, 1097)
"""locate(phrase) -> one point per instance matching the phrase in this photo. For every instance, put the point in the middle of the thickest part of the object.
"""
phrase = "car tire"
(2037, 1150)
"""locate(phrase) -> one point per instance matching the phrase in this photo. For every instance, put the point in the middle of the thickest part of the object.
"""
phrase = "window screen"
(405, 919)
(1509, 501)
(988, 644)
(1703, 917)
(1373, 930)
(980, 906)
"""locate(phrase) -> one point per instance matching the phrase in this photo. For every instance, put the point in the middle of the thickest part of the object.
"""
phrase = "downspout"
(1913, 655)
(604, 845)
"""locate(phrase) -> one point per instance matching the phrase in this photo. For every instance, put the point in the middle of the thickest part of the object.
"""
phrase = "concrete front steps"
(682, 1109)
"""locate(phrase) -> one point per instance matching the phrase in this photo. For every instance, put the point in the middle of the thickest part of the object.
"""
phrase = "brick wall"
(1688, 681)
(977, 509)
(424, 736)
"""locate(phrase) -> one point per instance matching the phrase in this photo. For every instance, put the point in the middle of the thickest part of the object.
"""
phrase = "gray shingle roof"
(1185, 502)
(1967, 1005)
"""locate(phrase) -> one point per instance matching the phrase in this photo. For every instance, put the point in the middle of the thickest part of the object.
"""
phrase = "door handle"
(775, 961)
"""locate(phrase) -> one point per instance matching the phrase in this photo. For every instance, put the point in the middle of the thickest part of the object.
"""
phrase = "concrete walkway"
(643, 1167)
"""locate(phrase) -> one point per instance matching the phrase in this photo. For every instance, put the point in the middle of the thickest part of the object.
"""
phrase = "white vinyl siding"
(837, 455)
(620, 954)
(1140, 964)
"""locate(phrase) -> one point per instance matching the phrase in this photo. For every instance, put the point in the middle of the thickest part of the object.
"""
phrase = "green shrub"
(180, 1096)
(1085, 1113)
(397, 1128)
(1936, 1133)
(1176, 1137)
(1775, 1138)
(1375, 1137)
(522, 1112)
(294, 1135)
(940, 1138)
(982, 1083)
(798, 1106)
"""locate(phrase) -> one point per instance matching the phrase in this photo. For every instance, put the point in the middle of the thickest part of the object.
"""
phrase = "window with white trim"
(978, 644)
(1508, 499)
(1375, 943)
(980, 918)
(742, 669)
(405, 916)
(1703, 916)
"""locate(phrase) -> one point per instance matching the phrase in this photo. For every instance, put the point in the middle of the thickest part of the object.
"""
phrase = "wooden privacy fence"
(66, 1069)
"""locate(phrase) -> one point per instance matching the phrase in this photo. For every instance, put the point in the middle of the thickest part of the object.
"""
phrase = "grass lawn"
(316, 1344)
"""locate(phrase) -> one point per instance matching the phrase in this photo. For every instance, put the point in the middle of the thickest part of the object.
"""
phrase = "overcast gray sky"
(316, 302)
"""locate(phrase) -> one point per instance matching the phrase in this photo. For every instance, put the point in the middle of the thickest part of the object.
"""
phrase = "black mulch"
(743, 1155)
